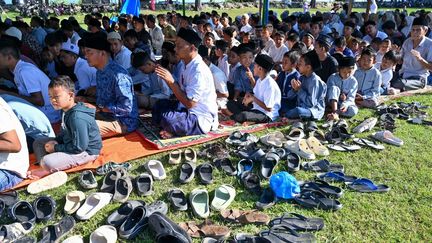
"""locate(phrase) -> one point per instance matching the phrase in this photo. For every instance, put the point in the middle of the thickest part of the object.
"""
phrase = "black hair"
(62, 81)
(38, 20)
(293, 37)
(130, 33)
(9, 47)
(229, 31)
(140, 59)
(293, 56)
(340, 42)
(368, 51)
(392, 56)
(55, 37)
(300, 47)
(210, 34)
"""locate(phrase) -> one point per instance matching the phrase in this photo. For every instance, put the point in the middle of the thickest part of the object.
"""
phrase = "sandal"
(322, 166)
(366, 185)
(315, 199)
(335, 176)
(368, 143)
(298, 222)
(208, 229)
(283, 233)
(322, 187)
(191, 228)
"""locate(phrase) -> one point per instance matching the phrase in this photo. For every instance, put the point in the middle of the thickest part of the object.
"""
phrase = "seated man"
(79, 141)
(86, 76)
(153, 88)
(14, 158)
(265, 99)
(342, 90)
(310, 90)
(417, 58)
(195, 112)
(31, 82)
(115, 99)
(369, 80)
(34, 122)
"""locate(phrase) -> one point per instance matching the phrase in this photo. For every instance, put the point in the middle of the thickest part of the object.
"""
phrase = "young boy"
(369, 80)
(219, 78)
(263, 105)
(384, 47)
(234, 62)
(309, 90)
(222, 57)
(278, 50)
(342, 90)
(289, 72)
(79, 141)
(152, 89)
(341, 47)
(243, 75)
(387, 66)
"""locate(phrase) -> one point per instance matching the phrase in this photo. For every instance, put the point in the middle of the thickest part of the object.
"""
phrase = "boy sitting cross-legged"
(263, 105)
(369, 80)
(309, 91)
(341, 90)
(79, 141)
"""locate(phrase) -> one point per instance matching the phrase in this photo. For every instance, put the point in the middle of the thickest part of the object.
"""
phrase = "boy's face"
(347, 31)
(208, 41)
(346, 72)
(68, 59)
(147, 68)
(245, 38)
(60, 97)
(308, 41)
(130, 42)
(287, 65)
(47, 56)
(257, 71)
(116, 45)
(246, 59)
(386, 63)
(385, 47)
(303, 68)
(366, 62)
(279, 40)
(233, 58)
(315, 29)
(265, 33)
(55, 49)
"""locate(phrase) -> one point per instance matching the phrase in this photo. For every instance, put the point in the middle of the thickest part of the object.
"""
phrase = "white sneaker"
(104, 234)
(93, 204)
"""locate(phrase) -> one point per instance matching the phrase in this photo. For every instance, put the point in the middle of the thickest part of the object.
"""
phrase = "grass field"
(402, 215)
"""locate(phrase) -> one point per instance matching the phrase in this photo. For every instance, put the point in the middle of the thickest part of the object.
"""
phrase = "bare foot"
(37, 174)
(165, 135)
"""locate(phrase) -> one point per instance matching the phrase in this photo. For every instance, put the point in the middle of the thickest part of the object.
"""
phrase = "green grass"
(403, 214)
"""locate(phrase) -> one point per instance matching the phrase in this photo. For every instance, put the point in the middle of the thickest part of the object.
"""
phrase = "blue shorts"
(8, 179)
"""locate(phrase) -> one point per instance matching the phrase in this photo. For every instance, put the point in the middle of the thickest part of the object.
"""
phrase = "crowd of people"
(189, 71)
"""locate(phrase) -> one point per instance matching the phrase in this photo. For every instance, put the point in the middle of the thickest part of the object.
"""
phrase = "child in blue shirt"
(310, 90)
(243, 75)
(342, 90)
(369, 80)
(289, 72)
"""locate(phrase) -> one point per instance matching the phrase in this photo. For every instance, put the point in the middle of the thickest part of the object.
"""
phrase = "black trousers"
(242, 113)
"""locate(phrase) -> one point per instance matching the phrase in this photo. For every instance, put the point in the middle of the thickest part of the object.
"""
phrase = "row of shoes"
(199, 201)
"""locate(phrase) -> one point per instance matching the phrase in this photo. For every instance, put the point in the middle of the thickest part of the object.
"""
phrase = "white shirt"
(268, 45)
(15, 162)
(386, 77)
(379, 34)
(277, 53)
(123, 57)
(195, 82)
(157, 39)
(224, 65)
(75, 38)
(269, 93)
(85, 74)
(30, 79)
(410, 66)
(246, 28)
(219, 78)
